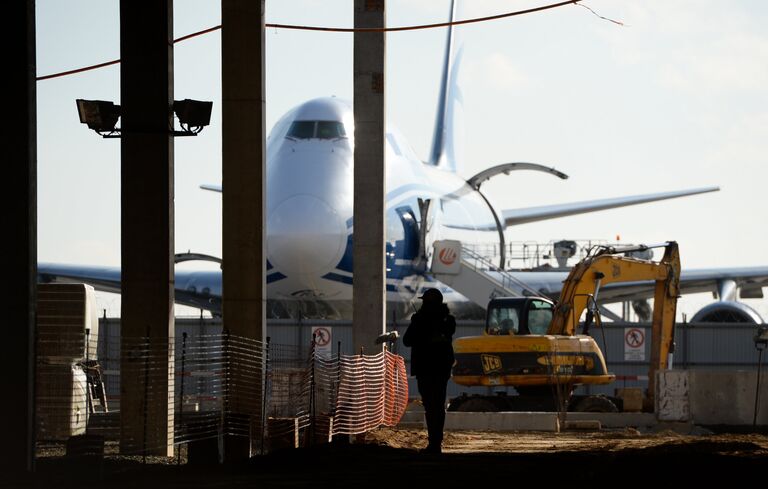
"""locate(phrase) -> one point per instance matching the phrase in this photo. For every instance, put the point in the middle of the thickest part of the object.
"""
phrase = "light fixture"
(99, 115)
(761, 342)
(102, 116)
(193, 115)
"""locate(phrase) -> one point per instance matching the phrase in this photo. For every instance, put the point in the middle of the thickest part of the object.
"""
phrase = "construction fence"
(206, 384)
(150, 395)
(699, 346)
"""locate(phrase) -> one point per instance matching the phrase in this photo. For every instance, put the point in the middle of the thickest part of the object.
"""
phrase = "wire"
(79, 70)
(116, 61)
(346, 29)
(601, 17)
(199, 33)
(425, 26)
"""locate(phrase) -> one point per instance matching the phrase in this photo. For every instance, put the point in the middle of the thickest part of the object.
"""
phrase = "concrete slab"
(502, 421)
(533, 421)
(413, 418)
(420, 425)
(672, 402)
(727, 398)
(528, 421)
(583, 425)
(616, 420)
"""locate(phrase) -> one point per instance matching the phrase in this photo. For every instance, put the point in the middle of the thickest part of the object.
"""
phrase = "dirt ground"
(391, 458)
(466, 442)
(605, 440)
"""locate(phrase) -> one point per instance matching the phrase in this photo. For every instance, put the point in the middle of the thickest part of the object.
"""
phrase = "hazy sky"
(675, 99)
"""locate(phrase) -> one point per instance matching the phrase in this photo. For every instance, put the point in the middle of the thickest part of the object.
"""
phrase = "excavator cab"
(518, 316)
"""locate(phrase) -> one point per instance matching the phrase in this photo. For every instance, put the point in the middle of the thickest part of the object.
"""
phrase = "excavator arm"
(664, 311)
(609, 265)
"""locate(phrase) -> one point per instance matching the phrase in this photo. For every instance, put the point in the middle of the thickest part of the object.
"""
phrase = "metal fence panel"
(704, 346)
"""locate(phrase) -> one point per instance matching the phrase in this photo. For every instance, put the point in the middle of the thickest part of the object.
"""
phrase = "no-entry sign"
(323, 337)
(634, 344)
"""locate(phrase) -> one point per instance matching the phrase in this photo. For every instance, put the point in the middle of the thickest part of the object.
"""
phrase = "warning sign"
(323, 344)
(634, 344)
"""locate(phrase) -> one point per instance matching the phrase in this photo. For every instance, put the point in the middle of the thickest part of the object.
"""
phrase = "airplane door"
(426, 232)
(410, 235)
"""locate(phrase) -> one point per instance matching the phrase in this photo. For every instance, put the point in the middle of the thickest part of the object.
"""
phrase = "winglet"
(212, 188)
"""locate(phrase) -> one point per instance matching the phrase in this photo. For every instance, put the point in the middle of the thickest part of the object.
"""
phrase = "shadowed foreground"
(389, 458)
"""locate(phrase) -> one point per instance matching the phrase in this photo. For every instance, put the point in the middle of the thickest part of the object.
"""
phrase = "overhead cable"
(347, 29)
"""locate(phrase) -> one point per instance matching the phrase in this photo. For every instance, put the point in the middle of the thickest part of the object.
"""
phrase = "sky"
(676, 98)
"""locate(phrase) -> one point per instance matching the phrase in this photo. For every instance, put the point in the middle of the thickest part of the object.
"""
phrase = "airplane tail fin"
(447, 147)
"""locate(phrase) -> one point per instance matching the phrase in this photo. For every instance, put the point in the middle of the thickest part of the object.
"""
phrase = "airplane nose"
(306, 237)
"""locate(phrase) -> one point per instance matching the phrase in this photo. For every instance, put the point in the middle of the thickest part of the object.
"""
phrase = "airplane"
(310, 222)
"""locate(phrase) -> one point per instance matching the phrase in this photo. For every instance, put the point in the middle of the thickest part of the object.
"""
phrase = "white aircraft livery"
(310, 226)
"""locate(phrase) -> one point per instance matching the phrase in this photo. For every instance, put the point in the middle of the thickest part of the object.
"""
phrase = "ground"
(466, 442)
(390, 458)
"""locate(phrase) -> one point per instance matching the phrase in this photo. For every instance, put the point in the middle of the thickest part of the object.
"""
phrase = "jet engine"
(727, 312)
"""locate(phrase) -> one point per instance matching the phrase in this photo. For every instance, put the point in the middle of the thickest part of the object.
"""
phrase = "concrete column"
(18, 210)
(146, 92)
(244, 180)
(369, 288)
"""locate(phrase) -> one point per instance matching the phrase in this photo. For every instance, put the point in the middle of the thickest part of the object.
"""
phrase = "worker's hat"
(432, 295)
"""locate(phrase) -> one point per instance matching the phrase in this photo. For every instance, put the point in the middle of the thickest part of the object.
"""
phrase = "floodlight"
(761, 338)
(99, 115)
(193, 114)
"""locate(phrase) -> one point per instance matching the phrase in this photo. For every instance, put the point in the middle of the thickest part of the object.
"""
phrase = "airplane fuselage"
(310, 223)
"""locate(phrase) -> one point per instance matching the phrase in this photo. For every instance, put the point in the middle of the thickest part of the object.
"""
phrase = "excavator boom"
(609, 265)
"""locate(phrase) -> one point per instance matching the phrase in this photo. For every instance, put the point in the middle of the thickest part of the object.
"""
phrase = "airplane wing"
(750, 280)
(200, 289)
(513, 217)
(105, 279)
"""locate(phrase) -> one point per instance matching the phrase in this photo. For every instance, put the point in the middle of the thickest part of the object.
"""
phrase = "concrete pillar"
(369, 287)
(244, 179)
(18, 208)
(146, 92)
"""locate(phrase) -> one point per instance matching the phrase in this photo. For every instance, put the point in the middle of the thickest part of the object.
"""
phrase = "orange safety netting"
(372, 391)
(191, 388)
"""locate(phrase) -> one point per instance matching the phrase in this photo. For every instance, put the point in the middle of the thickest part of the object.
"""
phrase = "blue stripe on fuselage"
(274, 277)
(335, 277)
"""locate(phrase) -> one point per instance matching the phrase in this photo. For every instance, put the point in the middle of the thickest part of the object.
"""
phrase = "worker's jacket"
(429, 336)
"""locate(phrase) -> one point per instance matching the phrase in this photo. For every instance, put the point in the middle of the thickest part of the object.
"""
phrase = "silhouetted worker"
(429, 336)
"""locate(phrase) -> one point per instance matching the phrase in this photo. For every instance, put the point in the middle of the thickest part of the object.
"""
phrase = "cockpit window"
(330, 130)
(302, 130)
(316, 130)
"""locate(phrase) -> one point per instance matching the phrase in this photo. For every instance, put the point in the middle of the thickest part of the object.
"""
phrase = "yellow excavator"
(531, 343)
